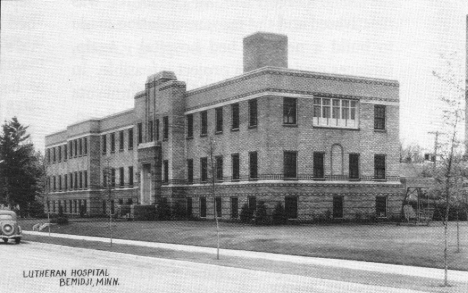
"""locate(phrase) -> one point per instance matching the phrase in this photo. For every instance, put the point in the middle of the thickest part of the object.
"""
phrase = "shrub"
(36, 209)
(179, 211)
(144, 212)
(279, 214)
(163, 210)
(261, 216)
(60, 220)
(246, 214)
(82, 211)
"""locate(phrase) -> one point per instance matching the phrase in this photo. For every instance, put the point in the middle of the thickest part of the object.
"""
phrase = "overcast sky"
(72, 60)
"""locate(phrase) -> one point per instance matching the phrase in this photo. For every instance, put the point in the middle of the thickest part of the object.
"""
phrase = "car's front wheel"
(17, 240)
(5, 240)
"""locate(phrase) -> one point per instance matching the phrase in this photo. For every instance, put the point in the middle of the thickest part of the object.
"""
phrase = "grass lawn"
(408, 245)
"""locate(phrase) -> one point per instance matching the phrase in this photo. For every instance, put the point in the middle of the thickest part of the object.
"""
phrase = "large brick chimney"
(265, 49)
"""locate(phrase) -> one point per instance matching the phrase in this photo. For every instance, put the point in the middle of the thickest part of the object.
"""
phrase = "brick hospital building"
(318, 143)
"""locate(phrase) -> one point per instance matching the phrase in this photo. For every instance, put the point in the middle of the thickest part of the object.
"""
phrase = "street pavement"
(40, 267)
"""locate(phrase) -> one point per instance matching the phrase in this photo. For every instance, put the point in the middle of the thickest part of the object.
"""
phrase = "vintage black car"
(9, 228)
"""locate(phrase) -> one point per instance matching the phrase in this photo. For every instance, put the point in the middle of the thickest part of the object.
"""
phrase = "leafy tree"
(21, 167)
(261, 216)
(279, 214)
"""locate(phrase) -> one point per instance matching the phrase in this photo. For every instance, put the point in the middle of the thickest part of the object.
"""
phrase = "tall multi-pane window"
(54, 155)
(70, 148)
(81, 179)
(71, 180)
(289, 111)
(157, 129)
(353, 166)
(76, 180)
(166, 170)
(60, 182)
(219, 119)
(253, 165)
(112, 142)
(203, 169)
(381, 206)
(235, 166)
(218, 209)
(203, 123)
(235, 116)
(104, 144)
(121, 177)
(85, 179)
(234, 207)
(113, 177)
(150, 131)
(65, 152)
(140, 132)
(190, 170)
(130, 176)
(290, 207)
(121, 140)
(379, 166)
(290, 164)
(379, 117)
(253, 113)
(105, 179)
(219, 168)
(76, 147)
(48, 156)
(59, 153)
(80, 147)
(189, 207)
(334, 112)
(130, 139)
(338, 207)
(65, 182)
(190, 125)
(85, 146)
(203, 207)
(165, 128)
(318, 165)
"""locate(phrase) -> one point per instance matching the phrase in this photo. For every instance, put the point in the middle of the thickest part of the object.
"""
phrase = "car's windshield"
(6, 217)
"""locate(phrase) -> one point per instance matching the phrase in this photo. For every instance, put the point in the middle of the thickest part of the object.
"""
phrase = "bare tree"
(210, 150)
(448, 174)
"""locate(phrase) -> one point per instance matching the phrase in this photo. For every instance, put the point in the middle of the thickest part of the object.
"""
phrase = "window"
(203, 169)
(166, 128)
(76, 180)
(59, 153)
(130, 139)
(219, 168)
(219, 210)
(354, 166)
(253, 165)
(290, 207)
(335, 113)
(150, 131)
(235, 116)
(235, 166)
(337, 207)
(318, 165)
(80, 147)
(379, 117)
(60, 182)
(65, 182)
(202, 207)
(85, 146)
(112, 142)
(48, 156)
(252, 202)
(381, 206)
(290, 165)
(203, 123)
(121, 140)
(55, 183)
(121, 177)
(157, 129)
(289, 110)
(54, 155)
(190, 170)
(81, 179)
(104, 144)
(219, 119)
(130, 176)
(130, 201)
(234, 207)
(85, 179)
(65, 206)
(104, 178)
(379, 166)
(140, 133)
(65, 152)
(253, 113)
(71, 181)
(190, 125)
(70, 149)
(76, 147)
(189, 207)
(113, 177)
(166, 171)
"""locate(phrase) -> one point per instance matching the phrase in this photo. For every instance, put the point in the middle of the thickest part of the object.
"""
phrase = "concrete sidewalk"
(457, 276)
